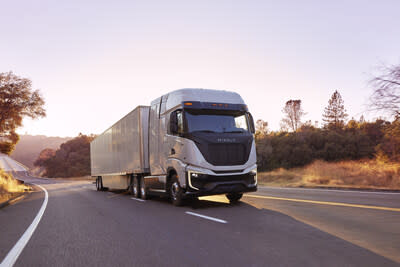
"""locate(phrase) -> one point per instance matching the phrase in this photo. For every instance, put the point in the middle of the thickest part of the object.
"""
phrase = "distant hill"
(29, 147)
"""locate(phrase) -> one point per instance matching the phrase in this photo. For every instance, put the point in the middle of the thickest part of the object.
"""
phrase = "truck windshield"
(217, 123)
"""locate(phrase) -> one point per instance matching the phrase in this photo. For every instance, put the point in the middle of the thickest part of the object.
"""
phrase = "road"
(271, 227)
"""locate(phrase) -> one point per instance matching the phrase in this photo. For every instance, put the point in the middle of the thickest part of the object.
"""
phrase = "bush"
(353, 142)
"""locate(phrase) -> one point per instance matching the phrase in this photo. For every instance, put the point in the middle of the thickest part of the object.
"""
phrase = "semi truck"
(187, 143)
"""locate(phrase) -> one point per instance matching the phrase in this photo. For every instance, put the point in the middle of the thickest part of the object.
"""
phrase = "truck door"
(154, 138)
(163, 147)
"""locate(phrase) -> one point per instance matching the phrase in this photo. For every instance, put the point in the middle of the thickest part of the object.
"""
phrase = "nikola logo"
(226, 140)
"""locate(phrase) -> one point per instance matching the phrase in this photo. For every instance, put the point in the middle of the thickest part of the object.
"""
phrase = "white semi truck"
(188, 143)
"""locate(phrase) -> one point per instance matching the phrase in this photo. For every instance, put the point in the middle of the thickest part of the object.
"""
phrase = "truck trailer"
(187, 143)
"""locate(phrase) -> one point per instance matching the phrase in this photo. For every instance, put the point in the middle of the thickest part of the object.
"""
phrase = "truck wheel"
(234, 197)
(135, 187)
(176, 192)
(99, 184)
(143, 190)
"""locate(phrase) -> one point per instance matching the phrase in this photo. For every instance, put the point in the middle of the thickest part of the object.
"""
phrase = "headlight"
(195, 175)
(254, 173)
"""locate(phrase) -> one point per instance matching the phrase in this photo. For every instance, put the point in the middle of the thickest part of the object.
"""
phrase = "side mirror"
(173, 123)
(251, 122)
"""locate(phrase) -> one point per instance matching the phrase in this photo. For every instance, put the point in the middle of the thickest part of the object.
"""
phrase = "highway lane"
(375, 198)
(81, 226)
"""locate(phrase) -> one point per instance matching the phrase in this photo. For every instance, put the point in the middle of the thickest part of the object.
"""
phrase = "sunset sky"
(94, 61)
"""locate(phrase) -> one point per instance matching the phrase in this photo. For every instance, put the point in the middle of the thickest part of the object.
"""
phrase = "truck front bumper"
(204, 184)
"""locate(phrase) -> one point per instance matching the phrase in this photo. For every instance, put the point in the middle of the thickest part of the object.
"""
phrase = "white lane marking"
(138, 199)
(328, 190)
(206, 217)
(14, 253)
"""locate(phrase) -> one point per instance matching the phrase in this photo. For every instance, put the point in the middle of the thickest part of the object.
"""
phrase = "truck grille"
(227, 154)
(207, 182)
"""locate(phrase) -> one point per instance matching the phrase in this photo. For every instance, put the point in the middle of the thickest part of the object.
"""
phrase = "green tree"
(293, 112)
(335, 114)
(17, 100)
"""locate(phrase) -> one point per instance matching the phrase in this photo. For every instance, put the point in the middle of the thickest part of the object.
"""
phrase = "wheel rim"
(174, 190)
(135, 187)
(142, 191)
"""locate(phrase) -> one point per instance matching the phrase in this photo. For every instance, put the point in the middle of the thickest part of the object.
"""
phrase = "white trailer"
(122, 150)
(188, 143)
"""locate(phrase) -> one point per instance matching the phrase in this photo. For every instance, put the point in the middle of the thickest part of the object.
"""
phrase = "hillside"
(29, 147)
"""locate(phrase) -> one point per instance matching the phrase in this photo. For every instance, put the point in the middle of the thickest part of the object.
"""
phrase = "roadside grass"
(9, 186)
(366, 174)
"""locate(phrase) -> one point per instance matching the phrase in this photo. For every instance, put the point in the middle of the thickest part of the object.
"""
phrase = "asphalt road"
(271, 227)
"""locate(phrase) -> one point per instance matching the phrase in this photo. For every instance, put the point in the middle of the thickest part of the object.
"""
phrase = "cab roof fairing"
(176, 97)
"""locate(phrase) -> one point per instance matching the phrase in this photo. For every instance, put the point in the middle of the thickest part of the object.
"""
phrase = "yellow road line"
(327, 203)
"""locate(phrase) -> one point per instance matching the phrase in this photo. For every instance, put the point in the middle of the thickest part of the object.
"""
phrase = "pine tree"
(335, 115)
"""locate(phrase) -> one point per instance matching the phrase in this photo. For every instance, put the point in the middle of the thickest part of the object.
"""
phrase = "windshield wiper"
(236, 131)
(203, 131)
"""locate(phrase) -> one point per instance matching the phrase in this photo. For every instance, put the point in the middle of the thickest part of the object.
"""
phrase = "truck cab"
(201, 142)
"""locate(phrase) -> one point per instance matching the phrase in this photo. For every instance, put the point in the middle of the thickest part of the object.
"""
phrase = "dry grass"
(372, 174)
(9, 187)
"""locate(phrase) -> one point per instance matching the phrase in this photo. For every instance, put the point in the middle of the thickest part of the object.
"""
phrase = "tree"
(335, 114)
(261, 129)
(70, 160)
(390, 143)
(293, 113)
(386, 95)
(17, 100)
(44, 155)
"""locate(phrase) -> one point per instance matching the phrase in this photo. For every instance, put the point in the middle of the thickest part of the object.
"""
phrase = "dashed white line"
(14, 253)
(138, 199)
(206, 217)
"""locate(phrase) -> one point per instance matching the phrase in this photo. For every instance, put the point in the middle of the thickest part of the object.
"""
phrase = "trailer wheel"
(135, 187)
(143, 190)
(234, 197)
(176, 192)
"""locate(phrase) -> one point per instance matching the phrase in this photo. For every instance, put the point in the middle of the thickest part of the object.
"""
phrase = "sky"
(95, 61)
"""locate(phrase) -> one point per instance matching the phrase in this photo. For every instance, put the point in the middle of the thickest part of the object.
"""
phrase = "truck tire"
(99, 184)
(234, 197)
(135, 188)
(143, 190)
(176, 192)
